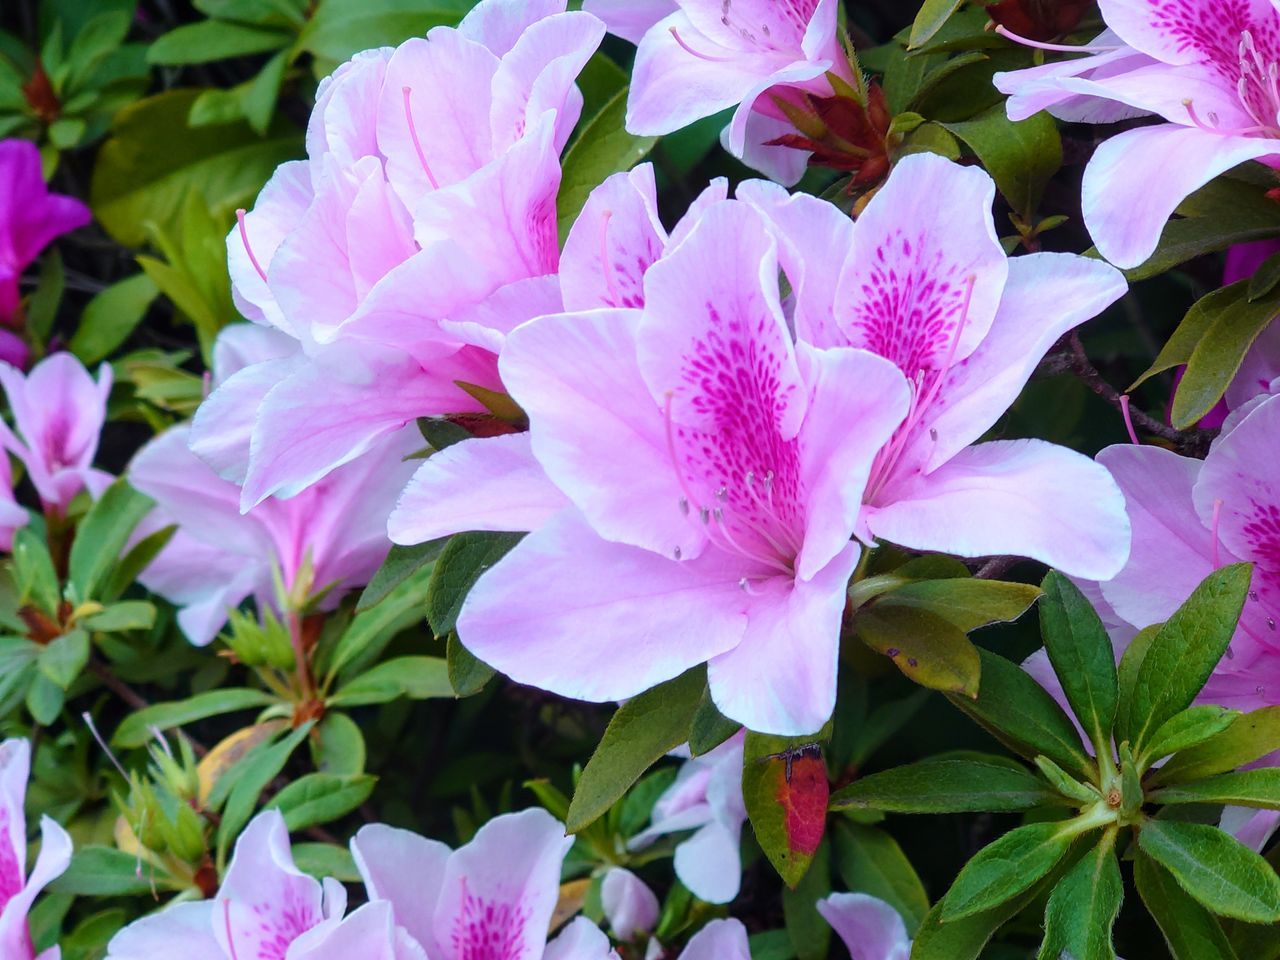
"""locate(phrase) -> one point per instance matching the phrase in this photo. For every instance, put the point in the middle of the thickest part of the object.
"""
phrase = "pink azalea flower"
(266, 908)
(870, 928)
(714, 485)
(706, 798)
(719, 940)
(1190, 517)
(17, 889)
(30, 218)
(12, 516)
(1212, 81)
(58, 412)
(706, 56)
(495, 483)
(493, 897)
(420, 230)
(629, 905)
(926, 284)
(219, 557)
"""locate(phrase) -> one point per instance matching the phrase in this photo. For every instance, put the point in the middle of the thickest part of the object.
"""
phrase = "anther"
(244, 238)
(417, 144)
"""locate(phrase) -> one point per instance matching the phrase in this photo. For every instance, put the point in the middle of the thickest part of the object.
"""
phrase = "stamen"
(226, 919)
(1128, 420)
(1223, 131)
(605, 266)
(417, 144)
(93, 729)
(745, 584)
(701, 56)
(244, 238)
(688, 498)
(1217, 516)
(1053, 47)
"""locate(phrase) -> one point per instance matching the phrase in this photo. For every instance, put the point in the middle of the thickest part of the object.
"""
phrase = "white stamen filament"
(1054, 47)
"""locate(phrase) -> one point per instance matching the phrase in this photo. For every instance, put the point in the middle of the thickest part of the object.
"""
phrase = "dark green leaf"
(931, 18)
(1083, 907)
(34, 575)
(338, 746)
(968, 603)
(459, 566)
(1189, 728)
(339, 30)
(468, 674)
(1021, 156)
(965, 939)
(1082, 656)
(111, 316)
(102, 534)
(1186, 649)
(322, 860)
(64, 657)
(418, 678)
(321, 798)
(1249, 738)
(1244, 788)
(948, 785)
(374, 627)
(933, 652)
(710, 727)
(135, 730)
(257, 769)
(1265, 279)
(1023, 716)
(1215, 868)
(1005, 868)
(1127, 671)
(401, 564)
(642, 731)
(871, 862)
(1191, 932)
(810, 933)
(44, 302)
(107, 872)
(213, 40)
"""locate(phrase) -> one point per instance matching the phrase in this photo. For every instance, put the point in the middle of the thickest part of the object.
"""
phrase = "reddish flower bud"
(40, 95)
(842, 133)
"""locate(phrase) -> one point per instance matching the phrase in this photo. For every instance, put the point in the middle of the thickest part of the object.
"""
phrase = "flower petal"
(630, 19)
(408, 871)
(628, 903)
(182, 929)
(709, 863)
(870, 928)
(580, 940)
(719, 940)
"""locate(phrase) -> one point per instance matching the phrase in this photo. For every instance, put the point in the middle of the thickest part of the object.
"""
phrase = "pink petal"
(280, 207)
(615, 239)
(369, 933)
(764, 26)
(628, 903)
(1023, 497)
(500, 890)
(408, 871)
(222, 428)
(719, 940)
(1241, 473)
(343, 120)
(205, 581)
(630, 19)
(1040, 88)
(800, 74)
(15, 768)
(870, 928)
(182, 929)
(265, 902)
(709, 863)
(546, 617)
(499, 24)
(782, 164)
(580, 940)
(596, 430)
(903, 289)
(54, 858)
(1188, 32)
(781, 678)
(242, 345)
(491, 483)
(1135, 181)
(1251, 827)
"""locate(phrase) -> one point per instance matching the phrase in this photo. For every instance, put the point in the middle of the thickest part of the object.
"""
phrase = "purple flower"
(870, 928)
(30, 217)
(17, 889)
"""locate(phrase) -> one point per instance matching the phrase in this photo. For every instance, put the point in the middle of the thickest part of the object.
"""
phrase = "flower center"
(1258, 89)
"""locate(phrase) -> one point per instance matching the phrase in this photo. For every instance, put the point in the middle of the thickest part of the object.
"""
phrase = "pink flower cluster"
(492, 899)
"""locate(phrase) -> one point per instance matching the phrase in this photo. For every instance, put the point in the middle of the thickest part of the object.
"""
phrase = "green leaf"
(931, 18)
(871, 862)
(809, 932)
(338, 746)
(135, 730)
(603, 148)
(258, 768)
(44, 302)
(1186, 649)
(642, 731)
(154, 161)
(972, 783)
(45, 699)
(102, 534)
(710, 727)
(468, 674)
(1024, 717)
(418, 678)
(933, 652)
(321, 798)
(1249, 738)
(1082, 656)
(401, 564)
(968, 603)
(1083, 907)
(1021, 156)
(339, 30)
(460, 565)
(210, 40)
(64, 657)
(111, 316)
(372, 629)
(1127, 671)
(107, 872)
(322, 860)
(939, 939)
(1189, 728)
(1228, 323)
(119, 617)
(34, 576)
(1215, 868)
(1191, 932)
(1005, 868)
(1265, 279)
(1243, 788)
(785, 786)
